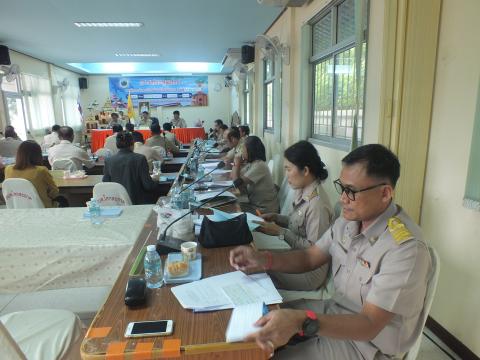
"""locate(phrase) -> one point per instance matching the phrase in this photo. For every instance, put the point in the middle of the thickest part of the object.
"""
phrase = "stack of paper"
(227, 291)
(210, 194)
(219, 215)
(242, 320)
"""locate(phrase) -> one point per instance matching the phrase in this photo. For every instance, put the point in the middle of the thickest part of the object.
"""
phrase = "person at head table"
(111, 141)
(124, 119)
(114, 120)
(145, 118)
(380, 270)
(66, 150)
(177, 121)
(130, 170)
(311, 214)
(29, 166)
(150, 154)
(258, 184)
(9, 145)
(157, 139)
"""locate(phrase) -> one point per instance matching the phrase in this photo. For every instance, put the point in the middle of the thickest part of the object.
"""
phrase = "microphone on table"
(165, 246)
(220, 165)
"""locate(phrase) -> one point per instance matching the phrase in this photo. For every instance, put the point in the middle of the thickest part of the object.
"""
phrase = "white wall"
(453, 230)
(219, 102)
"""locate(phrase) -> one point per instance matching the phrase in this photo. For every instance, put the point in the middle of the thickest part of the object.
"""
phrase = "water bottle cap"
(151, 248)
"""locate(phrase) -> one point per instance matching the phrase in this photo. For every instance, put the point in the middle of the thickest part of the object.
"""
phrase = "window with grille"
(334, 78)
(269, 78)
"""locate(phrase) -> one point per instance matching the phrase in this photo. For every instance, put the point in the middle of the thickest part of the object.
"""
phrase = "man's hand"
(269, 228)
(271, 217)
(278, 327)
(245, 259)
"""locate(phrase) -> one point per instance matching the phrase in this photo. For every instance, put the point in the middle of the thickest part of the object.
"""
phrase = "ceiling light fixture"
(109, 24)
(136, 55)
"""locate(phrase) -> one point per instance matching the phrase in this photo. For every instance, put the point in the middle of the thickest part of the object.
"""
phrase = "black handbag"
(225, 233)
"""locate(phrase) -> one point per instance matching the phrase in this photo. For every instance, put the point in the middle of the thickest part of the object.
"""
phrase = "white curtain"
(69, 98)
(37, 94)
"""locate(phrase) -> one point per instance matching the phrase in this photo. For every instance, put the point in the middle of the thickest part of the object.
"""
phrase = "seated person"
(124, 120)
(114, 120)
(111, 141)
(51, 139)
(177, 121)
(129, 127)
(380, 269)
(233, 142)
(258, 184)
(213, 134)
(310, 217)
(9, 145)
(167, 132)
(244, 132)
(158, 139)
(130, 170)
(66, 150)
(139, 148)
(29, 166)
(222, 138)
(145, 119)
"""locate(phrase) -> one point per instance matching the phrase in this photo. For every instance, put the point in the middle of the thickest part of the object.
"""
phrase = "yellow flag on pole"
(130, 112)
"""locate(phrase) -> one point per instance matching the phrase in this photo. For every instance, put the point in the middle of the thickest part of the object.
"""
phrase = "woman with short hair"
(29, 166)
(258, 184)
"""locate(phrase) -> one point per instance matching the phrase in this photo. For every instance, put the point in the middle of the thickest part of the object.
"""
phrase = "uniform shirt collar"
(305, 194)
(65, 142)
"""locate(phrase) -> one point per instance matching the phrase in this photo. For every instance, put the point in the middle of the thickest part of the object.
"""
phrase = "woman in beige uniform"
(310, 216)
(258, 184)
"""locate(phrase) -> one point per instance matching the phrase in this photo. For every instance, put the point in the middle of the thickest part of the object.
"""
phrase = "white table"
(43, 249)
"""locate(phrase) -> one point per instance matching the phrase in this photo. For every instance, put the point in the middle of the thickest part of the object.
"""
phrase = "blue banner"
(159, 90)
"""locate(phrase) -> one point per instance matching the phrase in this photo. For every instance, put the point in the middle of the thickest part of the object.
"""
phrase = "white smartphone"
(149, 328)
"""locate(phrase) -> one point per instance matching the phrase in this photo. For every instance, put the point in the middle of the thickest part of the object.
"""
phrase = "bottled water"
(153, 268)
(94, 211)
(200, 172)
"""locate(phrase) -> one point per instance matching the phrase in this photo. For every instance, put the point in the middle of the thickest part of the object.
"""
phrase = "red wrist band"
(268, 260)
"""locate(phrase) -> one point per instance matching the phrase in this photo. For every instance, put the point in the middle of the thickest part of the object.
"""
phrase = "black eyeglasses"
(350, 192)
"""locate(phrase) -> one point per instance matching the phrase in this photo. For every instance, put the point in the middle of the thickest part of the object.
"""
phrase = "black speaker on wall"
(82, 83)
(248, 54)
(4, 55)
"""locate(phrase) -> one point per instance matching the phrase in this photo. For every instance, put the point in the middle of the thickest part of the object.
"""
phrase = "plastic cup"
(189, 250)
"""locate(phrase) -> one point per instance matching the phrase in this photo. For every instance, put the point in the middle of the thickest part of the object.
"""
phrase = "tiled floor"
(433, 348)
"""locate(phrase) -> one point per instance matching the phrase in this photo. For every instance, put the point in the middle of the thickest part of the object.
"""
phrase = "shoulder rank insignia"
(398, 230)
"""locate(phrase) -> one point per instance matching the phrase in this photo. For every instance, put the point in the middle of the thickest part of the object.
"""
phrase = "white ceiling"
(177, 30)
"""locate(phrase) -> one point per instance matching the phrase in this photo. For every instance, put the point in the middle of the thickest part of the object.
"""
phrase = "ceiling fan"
(9, 72)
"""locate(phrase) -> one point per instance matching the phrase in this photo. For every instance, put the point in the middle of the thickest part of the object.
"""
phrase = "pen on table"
(264, 309)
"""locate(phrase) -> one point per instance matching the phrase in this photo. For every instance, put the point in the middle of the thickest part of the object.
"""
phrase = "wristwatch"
(281, 236)
(310, 326)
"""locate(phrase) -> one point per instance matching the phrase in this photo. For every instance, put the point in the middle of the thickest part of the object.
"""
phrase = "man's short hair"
(176, 112)
(138, 137)
(65, 133)
(114, 114)
(233, 132)
(167, 126)
(116, 128)
(224, 127)
(129, 126)
(379, 162)
(245, 129)
(124, 140)
(145, 112)
(155, 128)
(55, 128)
(219, 122)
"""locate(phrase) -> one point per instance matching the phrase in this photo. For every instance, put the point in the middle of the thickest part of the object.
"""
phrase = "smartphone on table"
(149, 328)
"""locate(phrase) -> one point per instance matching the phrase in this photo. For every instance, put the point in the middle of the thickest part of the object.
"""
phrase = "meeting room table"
(184, 135)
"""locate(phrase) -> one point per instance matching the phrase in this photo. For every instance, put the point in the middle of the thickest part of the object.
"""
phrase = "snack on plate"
(177, 268)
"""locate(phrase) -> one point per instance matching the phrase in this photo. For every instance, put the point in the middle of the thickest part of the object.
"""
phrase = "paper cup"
(189, 250)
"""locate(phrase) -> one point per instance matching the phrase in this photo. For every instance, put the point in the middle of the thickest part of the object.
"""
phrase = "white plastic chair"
(64, 164)
(111, 194)
(21, 194)
(103, 152)
(40, 334)
(431, 288)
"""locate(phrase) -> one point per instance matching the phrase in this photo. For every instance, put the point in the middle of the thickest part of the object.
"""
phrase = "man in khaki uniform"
(233, 142)
(159, 140)
(380, 269)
